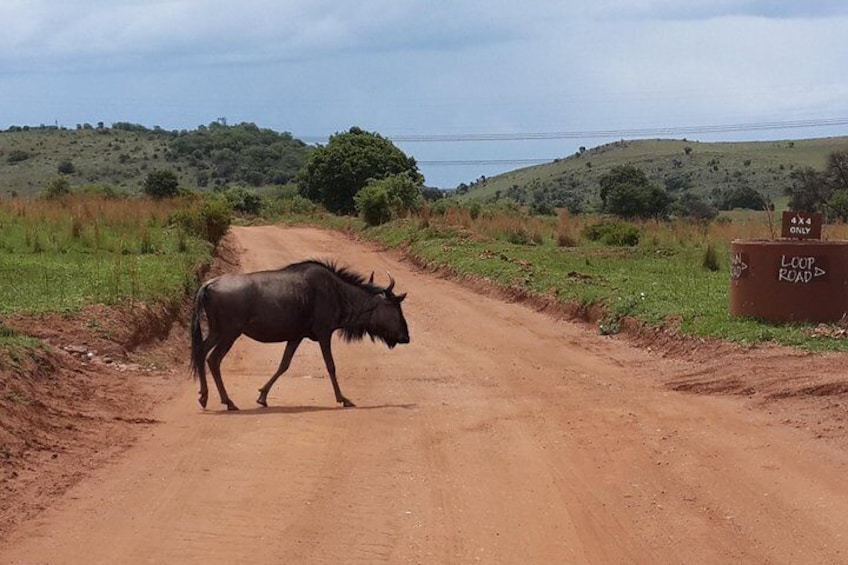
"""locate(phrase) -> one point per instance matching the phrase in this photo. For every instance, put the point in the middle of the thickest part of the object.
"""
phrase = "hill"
(707, 169)
(121, 156)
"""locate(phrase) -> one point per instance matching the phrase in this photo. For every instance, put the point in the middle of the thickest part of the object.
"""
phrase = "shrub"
(107, 191)
(208, 220)
(372, 203)
(161, 184)
(402, 193)
(16, 156)
(474, 209)
(243, 200)
(613, 233)
(565, 239)
(66, 168)
(710, 261)
(300, 205)
(57, 188)
(440, 207)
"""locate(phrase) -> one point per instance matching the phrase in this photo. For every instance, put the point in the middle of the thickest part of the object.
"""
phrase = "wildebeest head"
(387, 320)
(383, 318)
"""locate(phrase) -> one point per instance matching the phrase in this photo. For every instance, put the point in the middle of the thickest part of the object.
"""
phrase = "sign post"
(801, 225)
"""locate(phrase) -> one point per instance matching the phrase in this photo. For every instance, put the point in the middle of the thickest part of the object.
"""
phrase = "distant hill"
(122, 155)
(705, 169)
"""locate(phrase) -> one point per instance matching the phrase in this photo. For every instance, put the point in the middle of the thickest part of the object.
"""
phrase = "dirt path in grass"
(499, 435)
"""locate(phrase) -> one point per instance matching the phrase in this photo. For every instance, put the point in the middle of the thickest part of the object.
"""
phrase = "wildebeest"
(311, 299)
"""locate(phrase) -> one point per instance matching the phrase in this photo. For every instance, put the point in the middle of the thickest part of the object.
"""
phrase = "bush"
(16, 156)
(66, 168)
(208, 220)
(613, 233)
(300, 205)
(372, 203)
(243, 200)
(57, 188)
(161, 184)
(837, 206)
(104, 190)
(440, 207)
(710, 261)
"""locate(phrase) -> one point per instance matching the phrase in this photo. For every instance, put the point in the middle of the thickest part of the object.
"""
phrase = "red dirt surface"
(499, 435)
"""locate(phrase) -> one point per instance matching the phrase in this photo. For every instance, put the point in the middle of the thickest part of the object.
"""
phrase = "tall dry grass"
(59, 254)
(566, 230)
(81, 221)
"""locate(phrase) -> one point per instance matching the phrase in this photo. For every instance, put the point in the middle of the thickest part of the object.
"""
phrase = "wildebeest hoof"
(262, 402)
(231, 406)
(347, 403)
(202, 401)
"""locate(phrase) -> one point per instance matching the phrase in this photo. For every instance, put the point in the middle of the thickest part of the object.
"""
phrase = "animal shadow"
(261, 410)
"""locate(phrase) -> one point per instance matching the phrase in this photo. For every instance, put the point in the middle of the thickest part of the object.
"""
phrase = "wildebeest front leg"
(331, 368)
(291, 347)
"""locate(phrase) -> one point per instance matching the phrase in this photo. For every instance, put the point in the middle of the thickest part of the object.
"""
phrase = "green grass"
(58, 256)
(66, 282)
(659, 284)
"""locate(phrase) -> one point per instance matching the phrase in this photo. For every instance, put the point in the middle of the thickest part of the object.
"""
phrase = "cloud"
(82, 35)
(314, 67)
(711, 9)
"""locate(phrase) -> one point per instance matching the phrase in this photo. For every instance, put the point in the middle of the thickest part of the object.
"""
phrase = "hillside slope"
(123, 155)
(703, 168)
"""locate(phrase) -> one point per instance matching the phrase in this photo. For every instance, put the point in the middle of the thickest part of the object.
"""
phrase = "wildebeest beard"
(362, 326)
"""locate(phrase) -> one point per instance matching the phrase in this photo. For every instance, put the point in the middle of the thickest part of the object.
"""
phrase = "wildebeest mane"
(353, 331)
(345, 273)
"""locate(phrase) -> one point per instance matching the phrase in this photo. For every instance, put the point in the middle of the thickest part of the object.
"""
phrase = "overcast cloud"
(427, 68)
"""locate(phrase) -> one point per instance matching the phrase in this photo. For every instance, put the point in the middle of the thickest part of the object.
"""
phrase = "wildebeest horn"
(391, 282)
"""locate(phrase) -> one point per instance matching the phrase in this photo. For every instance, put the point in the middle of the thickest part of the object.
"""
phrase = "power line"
(448, 163)
(611, 133)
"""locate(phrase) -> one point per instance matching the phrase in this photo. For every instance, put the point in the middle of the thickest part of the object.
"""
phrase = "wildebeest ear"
(371, 278)
(400, 297)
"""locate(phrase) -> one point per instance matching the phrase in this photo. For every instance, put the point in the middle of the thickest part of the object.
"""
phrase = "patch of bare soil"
(498, 435)
(67, 409)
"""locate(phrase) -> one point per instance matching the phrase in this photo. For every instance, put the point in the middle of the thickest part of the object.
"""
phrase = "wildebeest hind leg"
(215, 358)
(208, 343)
(291, 347)
(331, 368)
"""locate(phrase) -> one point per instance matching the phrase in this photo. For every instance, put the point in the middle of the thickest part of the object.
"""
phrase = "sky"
(469, 88)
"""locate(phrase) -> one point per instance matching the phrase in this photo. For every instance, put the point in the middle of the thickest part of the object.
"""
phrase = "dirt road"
(499, 435)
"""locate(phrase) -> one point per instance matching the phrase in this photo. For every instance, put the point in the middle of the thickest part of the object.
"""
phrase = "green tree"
(743, 196)
(809, 190)
(334, 173)
(161, 183)
(837, 206)
(837, 170)
(691, 205)
(626, 192)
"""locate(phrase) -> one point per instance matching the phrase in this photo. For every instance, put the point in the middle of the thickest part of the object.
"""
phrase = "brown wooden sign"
(801, 225)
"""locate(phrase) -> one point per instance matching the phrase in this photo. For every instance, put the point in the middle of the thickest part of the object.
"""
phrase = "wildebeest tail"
(198, 355)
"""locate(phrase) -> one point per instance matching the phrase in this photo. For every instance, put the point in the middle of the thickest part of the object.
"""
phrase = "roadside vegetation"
(60, 254)
(632, 251)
